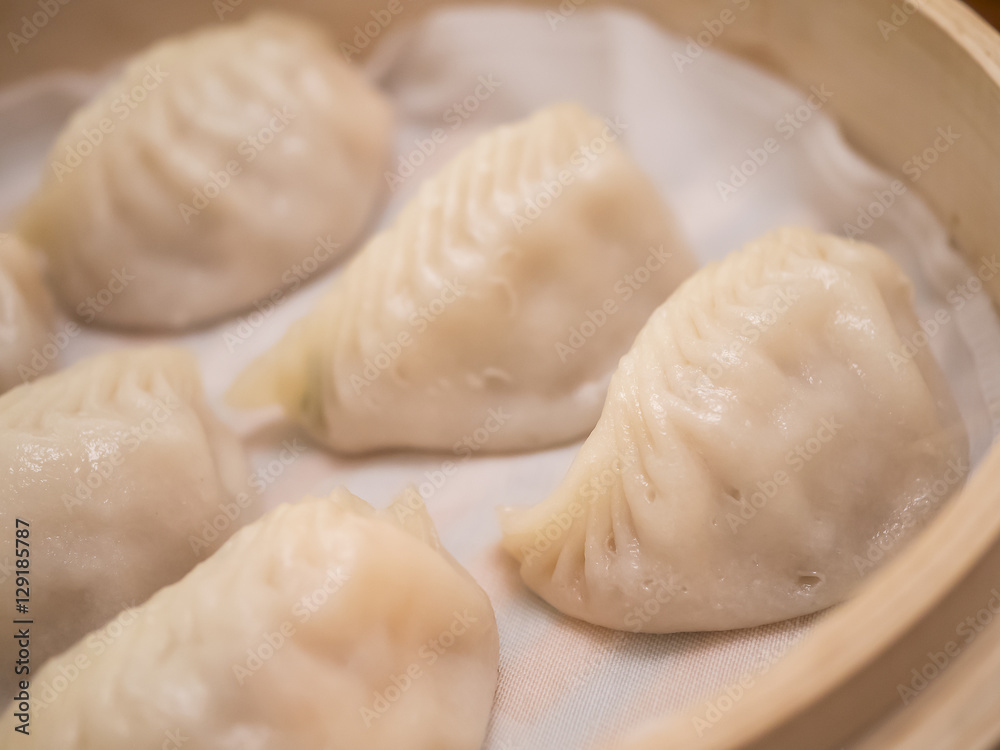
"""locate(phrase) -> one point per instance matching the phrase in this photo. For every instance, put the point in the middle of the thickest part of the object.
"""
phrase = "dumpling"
(491, 314)
(324, 625)
(26, 316)
(771, 426)
(202, 178)
(122, 479)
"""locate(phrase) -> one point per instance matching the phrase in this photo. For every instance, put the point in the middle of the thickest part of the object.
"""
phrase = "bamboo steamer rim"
(941, 67)
(844, 678)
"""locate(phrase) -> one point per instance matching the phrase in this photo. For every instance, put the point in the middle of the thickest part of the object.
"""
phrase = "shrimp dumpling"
(770, 424)
(503, 294)
(325, 624)
(217, 161)
(26, 315)
(120, 479)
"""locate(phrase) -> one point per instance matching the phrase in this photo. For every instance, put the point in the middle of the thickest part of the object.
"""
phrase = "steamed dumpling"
(765, 429)
(26, 314)
(214, 165)
(498, 302)
(324, 625)
(126, 481)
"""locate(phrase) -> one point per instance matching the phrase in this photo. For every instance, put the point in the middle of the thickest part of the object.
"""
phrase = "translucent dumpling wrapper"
(772, 435)
(119, 480)
(28, 346)
(496, 305)
(216, 167)
(325, 624)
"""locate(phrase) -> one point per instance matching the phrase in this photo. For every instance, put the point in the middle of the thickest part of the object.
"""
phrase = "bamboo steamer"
(898, 73)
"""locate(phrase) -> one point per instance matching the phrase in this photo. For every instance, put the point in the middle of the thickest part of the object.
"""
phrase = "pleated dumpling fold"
(199, 179)
(772, 436)
(491, 314)
(325, 624)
